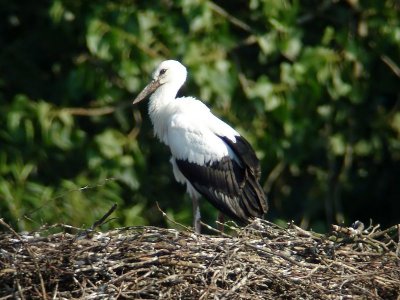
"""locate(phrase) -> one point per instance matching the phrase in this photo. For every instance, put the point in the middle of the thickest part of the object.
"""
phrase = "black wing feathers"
(230, 186)
(218, 182)
(245, 152)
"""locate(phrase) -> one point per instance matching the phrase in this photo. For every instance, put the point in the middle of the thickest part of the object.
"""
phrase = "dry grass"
(261, 261)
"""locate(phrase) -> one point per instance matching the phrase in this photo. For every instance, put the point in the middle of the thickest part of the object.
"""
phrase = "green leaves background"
(314, 86)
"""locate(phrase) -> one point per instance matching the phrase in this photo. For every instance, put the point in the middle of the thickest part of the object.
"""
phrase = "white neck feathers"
(158, 110)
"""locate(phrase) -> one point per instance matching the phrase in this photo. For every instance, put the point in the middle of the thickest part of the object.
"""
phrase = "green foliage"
(314, 87)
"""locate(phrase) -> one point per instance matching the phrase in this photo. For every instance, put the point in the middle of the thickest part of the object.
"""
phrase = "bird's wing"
(240, 146)
(190, 139)
(213, 169)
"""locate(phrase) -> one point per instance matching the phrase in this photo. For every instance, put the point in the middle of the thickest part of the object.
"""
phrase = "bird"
(207, 155)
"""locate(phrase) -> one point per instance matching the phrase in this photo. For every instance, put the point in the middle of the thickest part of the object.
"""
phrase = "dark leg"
(196, 215)
(221, 219)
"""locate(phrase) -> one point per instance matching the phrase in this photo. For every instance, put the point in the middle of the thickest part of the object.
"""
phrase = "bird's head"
(169, 72)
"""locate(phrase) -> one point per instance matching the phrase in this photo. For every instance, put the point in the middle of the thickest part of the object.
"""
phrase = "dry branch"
(262, 261)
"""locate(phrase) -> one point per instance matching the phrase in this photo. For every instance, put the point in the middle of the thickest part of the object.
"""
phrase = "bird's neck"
(163, 95)
(158, 109)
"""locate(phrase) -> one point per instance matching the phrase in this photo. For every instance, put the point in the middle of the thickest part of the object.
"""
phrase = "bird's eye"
(162, 71)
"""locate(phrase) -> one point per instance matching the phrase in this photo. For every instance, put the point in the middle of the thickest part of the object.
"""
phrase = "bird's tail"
(253, 199)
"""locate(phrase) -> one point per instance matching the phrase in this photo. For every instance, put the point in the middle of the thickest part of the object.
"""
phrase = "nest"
(260, 261)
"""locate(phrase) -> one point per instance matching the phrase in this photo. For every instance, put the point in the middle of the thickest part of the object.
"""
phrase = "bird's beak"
(150, 88)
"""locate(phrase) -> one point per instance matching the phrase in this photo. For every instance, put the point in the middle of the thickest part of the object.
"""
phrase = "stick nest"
(260, 261)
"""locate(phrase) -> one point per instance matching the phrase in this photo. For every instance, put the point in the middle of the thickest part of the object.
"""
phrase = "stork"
(208, 155)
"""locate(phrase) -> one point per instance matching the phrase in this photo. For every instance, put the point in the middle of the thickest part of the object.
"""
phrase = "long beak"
(150, 88)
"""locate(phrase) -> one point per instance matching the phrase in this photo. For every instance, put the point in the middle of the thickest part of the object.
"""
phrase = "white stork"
(209, 156)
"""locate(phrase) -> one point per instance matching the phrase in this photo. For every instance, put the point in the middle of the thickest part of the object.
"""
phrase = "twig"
(95, 111)
(149, 262)
(214, 229)
(375, 228)
(61, 195)
(55, 291)
(235, 21)
(20, 291)
(172, 221)
(272, 253)
(103, 218)
(89, 112)
(398, 241)
(99, 222)
(30, 252)
(303, 232)
(382, 232)
(391, 64)
(273, 176)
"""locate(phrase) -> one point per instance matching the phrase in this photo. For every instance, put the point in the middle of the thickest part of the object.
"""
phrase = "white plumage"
(208, 155)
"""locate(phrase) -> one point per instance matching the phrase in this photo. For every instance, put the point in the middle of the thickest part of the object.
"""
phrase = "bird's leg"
(196, 215)
(221, 220)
